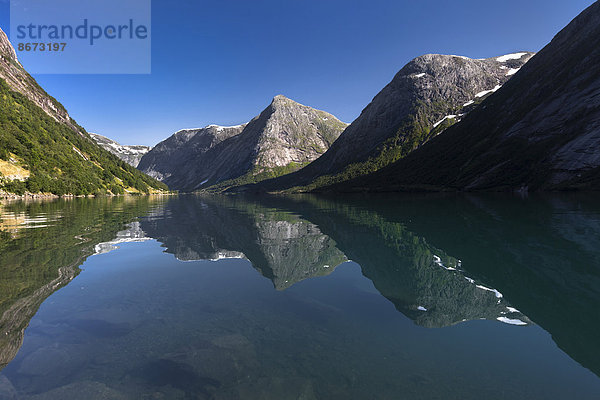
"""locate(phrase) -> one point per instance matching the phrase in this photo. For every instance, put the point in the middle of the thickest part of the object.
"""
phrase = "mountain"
(176, 153)
(130, 154)
(18, 80)
(283, 138)
(425, 97)
(43, 150)
(541, 131)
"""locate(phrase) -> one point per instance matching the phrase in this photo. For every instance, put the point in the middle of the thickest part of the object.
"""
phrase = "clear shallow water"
(232, 298)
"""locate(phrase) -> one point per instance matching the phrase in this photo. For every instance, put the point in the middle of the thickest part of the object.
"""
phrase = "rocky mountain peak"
(282, 138)
(177, 151)
(280, 103)
(130, 154)
(281, 99)
(20, 81)
(539, 132)
(425, 97)
(6, 48)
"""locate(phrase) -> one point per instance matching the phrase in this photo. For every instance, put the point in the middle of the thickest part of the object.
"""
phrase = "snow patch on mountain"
(507, 57)
(130, 154)
(486, 92)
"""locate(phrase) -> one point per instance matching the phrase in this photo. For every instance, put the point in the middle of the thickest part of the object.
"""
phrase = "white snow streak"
(443, 119)
(513, 56)
(481, 94)
(511, 321)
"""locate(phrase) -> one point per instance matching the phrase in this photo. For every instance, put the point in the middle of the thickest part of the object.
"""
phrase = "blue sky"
(223, 61)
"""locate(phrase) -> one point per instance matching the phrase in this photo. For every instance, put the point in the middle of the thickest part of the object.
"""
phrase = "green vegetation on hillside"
(412, 133)
(257, 175)
(60, 160)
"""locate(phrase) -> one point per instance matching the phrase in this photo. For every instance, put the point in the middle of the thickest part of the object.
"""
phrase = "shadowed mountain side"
(540, 131)
(429, 94)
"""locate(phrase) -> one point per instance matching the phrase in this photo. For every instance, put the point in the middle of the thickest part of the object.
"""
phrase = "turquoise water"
(396, 297)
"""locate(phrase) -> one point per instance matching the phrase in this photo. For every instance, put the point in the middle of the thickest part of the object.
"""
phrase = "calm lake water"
(379, 297)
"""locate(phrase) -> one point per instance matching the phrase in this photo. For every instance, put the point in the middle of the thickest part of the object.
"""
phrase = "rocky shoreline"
(50, 196)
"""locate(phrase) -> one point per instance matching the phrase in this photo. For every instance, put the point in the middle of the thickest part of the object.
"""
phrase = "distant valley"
(130, 154)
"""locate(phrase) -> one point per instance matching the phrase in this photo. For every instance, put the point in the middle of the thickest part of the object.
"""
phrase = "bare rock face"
(434, 84)
(541, 131)
(429, 94)
(175, 154)
(289, 132)
(282, 138)
(20, 81)
(130, 154)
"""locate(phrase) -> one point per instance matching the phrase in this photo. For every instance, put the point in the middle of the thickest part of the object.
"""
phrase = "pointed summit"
(429, 94)
(284, 137)
(280, 98)
(539, 132)
(280, 101)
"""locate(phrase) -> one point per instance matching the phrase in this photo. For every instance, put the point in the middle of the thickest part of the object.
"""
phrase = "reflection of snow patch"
(511, 321)
(497, 293)
(421, 308)
(513, 310)
(134, 234)
(438, 261)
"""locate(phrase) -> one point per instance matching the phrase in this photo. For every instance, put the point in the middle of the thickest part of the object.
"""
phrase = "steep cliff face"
(20, 81)
(429, 94)
(130, 154)
(541, 131)
(284, 137)
(176, 153)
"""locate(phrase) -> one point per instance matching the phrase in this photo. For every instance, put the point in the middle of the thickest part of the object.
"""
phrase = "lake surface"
(378, 297)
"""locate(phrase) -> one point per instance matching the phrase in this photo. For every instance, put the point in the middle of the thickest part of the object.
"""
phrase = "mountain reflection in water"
(440, 260)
